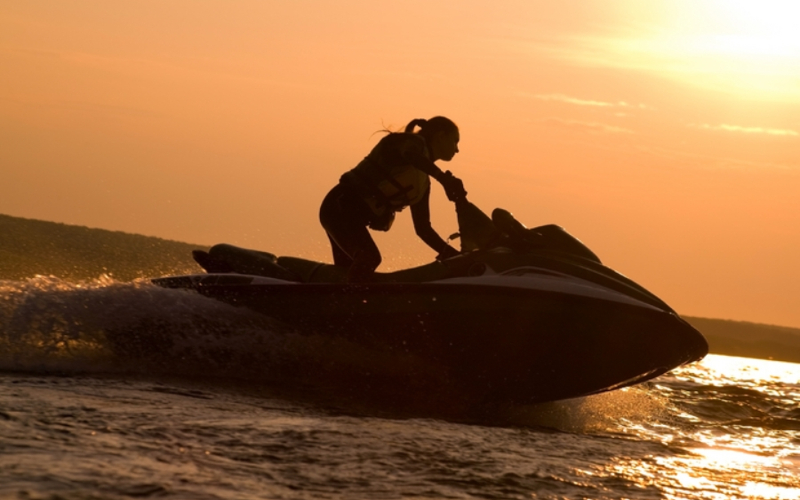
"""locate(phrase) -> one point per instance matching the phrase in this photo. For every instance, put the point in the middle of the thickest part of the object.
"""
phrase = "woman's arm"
(452, 185)
(421, 162)
(421, 215)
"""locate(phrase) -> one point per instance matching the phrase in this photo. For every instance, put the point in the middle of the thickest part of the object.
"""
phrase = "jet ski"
(522, 315)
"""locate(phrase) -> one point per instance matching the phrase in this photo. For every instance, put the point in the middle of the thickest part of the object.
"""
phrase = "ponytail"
(432, 126)
(416, 122)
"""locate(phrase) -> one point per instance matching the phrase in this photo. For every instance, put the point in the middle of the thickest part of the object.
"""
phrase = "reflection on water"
(734, 431)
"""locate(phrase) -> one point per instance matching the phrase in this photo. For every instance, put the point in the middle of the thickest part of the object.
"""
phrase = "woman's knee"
(367, 258)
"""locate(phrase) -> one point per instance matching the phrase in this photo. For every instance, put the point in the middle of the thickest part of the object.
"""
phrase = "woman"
(396, 174)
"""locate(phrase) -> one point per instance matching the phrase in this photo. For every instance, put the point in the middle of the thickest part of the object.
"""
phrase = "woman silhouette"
(394, 175)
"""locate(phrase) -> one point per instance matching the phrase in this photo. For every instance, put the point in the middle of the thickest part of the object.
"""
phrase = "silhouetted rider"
(394, 175)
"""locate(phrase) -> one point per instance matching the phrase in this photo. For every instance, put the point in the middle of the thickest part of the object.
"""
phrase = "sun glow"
(745, 46)
(771, 18)
(750, 48)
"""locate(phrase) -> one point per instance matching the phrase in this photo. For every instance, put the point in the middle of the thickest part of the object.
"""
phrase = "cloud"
(585, 102)
(692, 161)
(748, 130)
(572, 100)
(590, 127)
(753, 67)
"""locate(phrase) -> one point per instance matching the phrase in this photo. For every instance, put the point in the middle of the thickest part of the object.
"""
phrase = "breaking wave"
(51, 326)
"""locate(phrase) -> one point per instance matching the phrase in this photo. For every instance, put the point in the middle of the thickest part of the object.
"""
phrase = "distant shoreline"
(76, 253)
(751, 340)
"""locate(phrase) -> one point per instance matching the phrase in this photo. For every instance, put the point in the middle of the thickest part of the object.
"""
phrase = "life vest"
(385, 179)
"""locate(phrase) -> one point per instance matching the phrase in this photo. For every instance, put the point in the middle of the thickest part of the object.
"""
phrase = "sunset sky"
(663, 134)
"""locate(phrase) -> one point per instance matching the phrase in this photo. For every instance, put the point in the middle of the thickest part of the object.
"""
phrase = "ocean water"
(206, 401)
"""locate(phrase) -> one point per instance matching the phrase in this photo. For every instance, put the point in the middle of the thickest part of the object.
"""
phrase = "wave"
(733, 401)
(50, 326)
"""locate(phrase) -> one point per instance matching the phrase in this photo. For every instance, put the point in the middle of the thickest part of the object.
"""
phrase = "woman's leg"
(340, 257)
(343, 216)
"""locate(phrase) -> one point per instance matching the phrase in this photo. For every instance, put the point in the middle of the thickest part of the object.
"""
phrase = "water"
(219, 403)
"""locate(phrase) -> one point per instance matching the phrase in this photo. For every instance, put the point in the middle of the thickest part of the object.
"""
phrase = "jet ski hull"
(498, 343)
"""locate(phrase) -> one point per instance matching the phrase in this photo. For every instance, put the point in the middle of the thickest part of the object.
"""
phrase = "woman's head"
(440, 133)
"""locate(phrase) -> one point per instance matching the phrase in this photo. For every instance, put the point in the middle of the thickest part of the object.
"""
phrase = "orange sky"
(665, 135)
